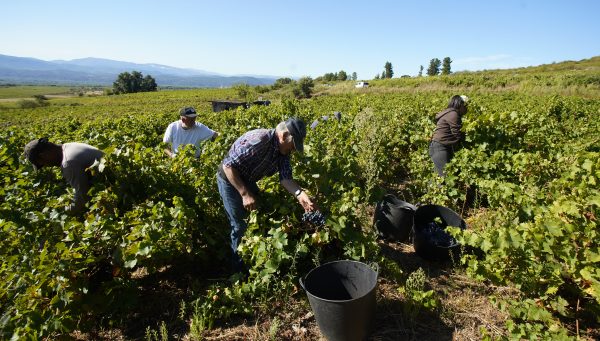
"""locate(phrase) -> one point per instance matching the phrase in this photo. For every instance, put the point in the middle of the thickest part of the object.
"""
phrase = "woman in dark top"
(447, 135)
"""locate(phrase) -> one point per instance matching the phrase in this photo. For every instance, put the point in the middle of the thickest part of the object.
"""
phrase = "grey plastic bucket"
(342, 297)
(394, 218)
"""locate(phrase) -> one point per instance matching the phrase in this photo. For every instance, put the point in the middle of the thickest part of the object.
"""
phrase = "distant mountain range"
(97, 71)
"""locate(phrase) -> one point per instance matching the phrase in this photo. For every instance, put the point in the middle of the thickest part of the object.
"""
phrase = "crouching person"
(73, 159)
(255, 155)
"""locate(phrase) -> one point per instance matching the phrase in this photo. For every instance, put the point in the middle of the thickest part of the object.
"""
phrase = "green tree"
(133, 82)
(284, 81)
(123, 83)
(434, 67)
(136, 81)
(354, 76)
(446, 66)
(389, 73)
(281, 82)
(330, 76)
(149, 84)
(242, 90)
(304, 87)
(342, 76)
(421, 71)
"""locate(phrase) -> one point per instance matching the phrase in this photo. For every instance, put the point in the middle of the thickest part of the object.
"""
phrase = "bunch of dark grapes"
(437, 236)
(315, 218)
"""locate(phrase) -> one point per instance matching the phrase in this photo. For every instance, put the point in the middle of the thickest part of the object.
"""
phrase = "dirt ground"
(464, 308)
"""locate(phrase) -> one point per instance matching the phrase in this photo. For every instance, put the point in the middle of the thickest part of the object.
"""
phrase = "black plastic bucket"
(342, 297)
(429, 238)
(394, 218)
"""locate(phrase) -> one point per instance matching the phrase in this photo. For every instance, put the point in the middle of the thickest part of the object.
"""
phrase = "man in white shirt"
(187, 131)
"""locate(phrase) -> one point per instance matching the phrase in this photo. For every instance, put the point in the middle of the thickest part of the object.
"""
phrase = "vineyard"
(155, 236)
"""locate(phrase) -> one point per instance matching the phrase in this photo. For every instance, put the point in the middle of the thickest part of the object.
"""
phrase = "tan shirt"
(76, 158)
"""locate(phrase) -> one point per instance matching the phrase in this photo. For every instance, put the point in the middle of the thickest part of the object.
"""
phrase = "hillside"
(581, 78)
(103, 72)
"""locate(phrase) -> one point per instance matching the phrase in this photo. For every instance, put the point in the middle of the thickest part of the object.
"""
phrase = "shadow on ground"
(148, 300)
(395, 320)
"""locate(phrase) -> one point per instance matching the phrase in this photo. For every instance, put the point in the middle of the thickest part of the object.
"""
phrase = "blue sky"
(305, 38)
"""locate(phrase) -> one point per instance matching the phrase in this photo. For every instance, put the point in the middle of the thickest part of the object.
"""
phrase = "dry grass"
(465, 306)
(341, 88)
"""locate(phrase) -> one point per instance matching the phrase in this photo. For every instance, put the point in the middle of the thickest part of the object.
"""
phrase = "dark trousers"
(440, 155)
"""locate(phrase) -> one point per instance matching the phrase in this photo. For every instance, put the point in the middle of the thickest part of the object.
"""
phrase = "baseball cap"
(33, 148)
(297, 129)
(188, 112)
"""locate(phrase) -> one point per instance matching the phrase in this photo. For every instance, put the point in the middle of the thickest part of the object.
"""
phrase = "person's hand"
(306, 203)
(249, 201)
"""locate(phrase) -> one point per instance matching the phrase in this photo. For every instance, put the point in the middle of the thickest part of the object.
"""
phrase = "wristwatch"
(298, 191)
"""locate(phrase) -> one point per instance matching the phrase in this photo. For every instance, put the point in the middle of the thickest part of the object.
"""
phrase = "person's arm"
(205, 133)
(303, 198)
(248, 198)
(168, 138)
(455, 124)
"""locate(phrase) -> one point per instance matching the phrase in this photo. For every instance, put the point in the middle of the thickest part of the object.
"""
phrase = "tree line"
(435, 68)
(136, 82)
(337, 76)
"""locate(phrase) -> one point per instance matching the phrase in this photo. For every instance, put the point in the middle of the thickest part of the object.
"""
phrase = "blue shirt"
(256, 155)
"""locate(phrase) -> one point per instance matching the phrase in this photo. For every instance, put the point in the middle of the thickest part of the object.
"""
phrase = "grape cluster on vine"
(314, 217)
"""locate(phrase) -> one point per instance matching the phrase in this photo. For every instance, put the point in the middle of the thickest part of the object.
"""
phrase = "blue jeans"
(237, 214)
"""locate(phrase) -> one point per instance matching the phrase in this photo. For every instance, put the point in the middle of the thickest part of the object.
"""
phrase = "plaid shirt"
(256, 155)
